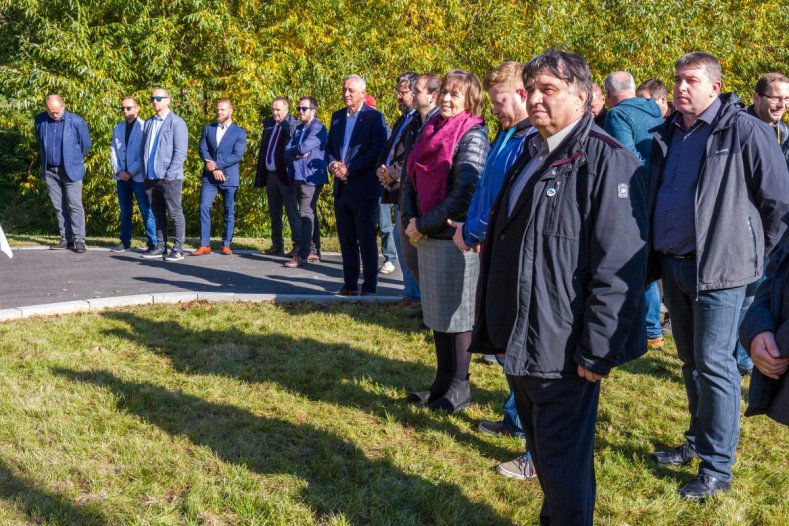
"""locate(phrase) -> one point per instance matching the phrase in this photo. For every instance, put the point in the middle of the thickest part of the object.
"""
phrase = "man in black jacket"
(718, 191)
(563, 278)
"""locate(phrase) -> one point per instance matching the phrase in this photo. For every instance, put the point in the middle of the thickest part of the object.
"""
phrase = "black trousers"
(558, 418)
(310, 237)
(356, 230)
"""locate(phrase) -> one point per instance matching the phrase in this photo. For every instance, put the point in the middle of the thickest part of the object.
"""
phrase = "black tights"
(452, 354)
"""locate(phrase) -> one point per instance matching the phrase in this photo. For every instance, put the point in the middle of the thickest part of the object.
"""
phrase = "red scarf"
(431, 159)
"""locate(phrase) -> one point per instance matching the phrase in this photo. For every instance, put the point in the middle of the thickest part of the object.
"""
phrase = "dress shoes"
(702, 487)
(79, 247)
(347, 292)
(226, 251)
(295, 262)
(679, 456)
(62, 245)
(314, 257)
(202, 251)
(273, 251)
(406, 303)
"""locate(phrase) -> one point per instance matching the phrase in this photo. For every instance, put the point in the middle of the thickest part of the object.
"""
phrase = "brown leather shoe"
(347, 292)
(296, 262)
(313, 257)
(273, 251)
(202, 251)
(405, 303)
(226, 251)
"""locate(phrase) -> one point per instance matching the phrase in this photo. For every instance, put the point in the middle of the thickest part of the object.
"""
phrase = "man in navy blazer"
(63, 142)
(126, 163)
(164, 143)
(222, 146)
(356, 138)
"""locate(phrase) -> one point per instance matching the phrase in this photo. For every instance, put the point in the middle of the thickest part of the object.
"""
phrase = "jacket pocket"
(562, 216)
(753, 245)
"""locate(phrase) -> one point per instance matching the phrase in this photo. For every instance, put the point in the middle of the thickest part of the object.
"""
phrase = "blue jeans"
(652, 295)
(208, 193)
(410, 286)
(512, 422)
(388, 248)
(705, 326)
(127, 192)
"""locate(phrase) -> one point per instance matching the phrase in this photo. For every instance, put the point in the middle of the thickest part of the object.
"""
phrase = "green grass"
(247, 414)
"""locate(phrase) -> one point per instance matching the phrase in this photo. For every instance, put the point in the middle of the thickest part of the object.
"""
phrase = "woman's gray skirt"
(448, 285)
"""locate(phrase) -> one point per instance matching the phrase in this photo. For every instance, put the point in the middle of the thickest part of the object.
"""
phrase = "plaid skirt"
(448, 285)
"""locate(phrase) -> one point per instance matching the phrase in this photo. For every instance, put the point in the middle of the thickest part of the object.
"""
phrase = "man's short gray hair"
(357, 78)
(619, 81)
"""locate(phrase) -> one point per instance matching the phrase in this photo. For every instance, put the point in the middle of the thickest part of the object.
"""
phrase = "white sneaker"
(387, 268)
(520, 468)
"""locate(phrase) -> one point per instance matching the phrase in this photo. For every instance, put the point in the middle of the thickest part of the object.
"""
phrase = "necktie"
(272, 143)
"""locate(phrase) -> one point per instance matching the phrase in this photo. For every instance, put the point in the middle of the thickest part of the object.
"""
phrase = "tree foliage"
(93, 52)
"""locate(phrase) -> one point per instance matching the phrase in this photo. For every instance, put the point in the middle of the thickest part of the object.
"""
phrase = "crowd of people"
(547, 250)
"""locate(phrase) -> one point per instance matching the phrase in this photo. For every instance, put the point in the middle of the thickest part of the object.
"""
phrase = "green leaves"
(94, 52)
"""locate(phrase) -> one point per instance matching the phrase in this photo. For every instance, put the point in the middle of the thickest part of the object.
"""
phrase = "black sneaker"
(175, 255)
(153, 253)
(120, 247)
(63, 245)
(79, 247)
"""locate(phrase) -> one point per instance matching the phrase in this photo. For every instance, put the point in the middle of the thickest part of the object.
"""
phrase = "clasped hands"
(384, 175)
(218, 174)
(339, 171)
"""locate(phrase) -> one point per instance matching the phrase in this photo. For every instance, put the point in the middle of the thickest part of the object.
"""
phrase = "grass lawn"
(246, 414)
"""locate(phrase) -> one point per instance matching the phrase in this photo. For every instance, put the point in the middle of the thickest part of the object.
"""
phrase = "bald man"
(63, 142)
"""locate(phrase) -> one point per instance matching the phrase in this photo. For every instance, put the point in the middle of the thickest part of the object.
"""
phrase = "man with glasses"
(391, 167)
(63, 142)
(770, 102)
(164, 143)
(305, 153)
(222, 145)
(126, 161)
(272, 173)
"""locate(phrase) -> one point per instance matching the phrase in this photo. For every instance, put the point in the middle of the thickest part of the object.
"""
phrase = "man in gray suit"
(164, 142)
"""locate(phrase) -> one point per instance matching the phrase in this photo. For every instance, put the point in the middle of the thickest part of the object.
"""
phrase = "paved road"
(40, 276)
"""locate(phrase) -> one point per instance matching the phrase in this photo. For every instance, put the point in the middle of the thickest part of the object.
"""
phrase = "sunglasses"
(305, 108)
(127, 108)
(159, 99)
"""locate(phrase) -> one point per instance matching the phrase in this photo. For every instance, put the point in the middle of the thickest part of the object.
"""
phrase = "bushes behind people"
(93, 52)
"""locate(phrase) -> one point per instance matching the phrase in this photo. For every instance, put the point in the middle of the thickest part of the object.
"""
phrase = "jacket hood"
(647, 106)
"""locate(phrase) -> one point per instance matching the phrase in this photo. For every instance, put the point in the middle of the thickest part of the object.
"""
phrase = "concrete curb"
(99, 304)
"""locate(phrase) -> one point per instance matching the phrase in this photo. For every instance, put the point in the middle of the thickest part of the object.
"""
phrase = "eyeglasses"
(305, 108)
(775, 98)
(159, 99)
(127, 108)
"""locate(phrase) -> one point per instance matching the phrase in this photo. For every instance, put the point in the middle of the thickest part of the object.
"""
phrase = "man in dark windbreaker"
(718, 189)
(562, 281)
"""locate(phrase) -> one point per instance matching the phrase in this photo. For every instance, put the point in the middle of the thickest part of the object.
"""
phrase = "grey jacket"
(171, 150)
(741, 197)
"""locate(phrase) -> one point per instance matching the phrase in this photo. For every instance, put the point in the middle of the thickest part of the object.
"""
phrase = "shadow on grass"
(340, 477)
(336, 373)
(656, 364)
(42, 506)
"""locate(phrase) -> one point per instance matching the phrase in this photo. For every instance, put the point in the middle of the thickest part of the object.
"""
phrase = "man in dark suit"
(272, 173)
(164, 143)
(222, 146)
(63, 142)
(356, 138)
(568, 230)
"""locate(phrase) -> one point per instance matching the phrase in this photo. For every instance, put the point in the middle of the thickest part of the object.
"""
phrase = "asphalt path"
(38, 276)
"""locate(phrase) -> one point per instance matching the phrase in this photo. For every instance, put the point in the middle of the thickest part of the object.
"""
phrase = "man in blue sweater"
(629, 121)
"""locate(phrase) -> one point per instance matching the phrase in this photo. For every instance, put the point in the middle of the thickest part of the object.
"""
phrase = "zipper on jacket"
(753, 237)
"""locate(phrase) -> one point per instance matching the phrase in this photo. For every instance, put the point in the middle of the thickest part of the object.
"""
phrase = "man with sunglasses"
(307, 171)
(63, 142)
(125, 150)
(164, 143)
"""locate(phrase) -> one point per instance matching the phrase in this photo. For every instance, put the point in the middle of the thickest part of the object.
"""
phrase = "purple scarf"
(431, 159)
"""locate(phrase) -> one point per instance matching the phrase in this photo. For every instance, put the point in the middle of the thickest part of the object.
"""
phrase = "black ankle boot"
(436, 390)
(457, 397)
